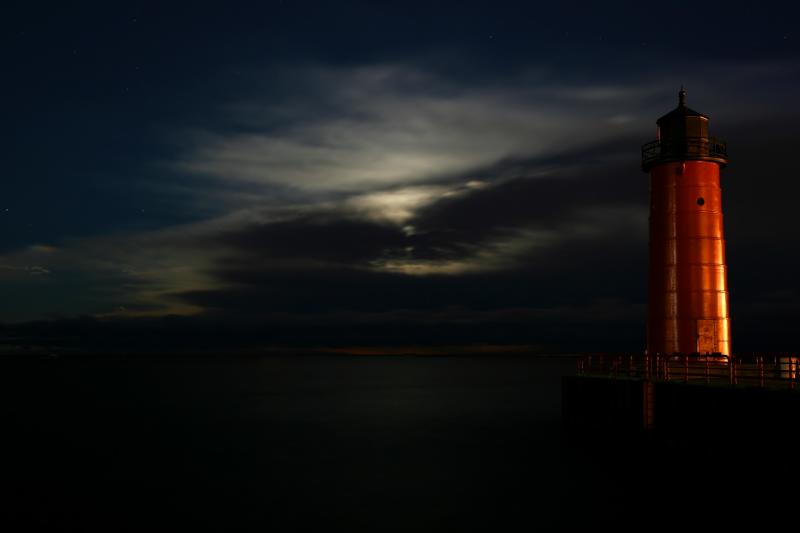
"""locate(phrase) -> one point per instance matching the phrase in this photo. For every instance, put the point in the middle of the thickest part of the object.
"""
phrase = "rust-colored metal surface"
(688, 310)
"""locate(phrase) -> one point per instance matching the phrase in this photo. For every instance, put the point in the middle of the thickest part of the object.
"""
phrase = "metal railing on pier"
(766, 371)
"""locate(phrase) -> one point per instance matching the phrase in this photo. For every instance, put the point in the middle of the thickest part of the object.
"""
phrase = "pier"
(690, 398)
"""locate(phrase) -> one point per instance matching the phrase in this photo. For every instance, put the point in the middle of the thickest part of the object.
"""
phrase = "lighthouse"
(688, 303)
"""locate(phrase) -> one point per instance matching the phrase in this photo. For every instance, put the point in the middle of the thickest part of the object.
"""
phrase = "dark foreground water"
(324, 442)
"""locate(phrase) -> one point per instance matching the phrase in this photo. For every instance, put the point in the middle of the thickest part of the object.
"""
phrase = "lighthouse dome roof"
(682, 111)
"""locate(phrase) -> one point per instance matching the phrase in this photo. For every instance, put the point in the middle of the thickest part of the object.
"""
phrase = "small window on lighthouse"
(701, 201)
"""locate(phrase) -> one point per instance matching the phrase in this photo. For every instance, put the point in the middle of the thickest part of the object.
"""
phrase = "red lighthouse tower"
(688, 309)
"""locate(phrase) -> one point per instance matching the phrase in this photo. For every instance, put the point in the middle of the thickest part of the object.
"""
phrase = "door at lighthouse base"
(706, 336)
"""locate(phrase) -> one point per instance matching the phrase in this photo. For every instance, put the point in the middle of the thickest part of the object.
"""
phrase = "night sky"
(379, 173)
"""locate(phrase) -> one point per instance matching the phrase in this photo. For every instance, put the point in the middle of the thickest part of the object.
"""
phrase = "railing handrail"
(773, 370)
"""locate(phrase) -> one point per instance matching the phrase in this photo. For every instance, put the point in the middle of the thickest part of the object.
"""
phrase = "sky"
(378, 173)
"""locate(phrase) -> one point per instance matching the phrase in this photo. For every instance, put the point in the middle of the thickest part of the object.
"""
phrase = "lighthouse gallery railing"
(687, 147)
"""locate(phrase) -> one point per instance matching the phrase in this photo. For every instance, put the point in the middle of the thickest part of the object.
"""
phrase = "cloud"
(33, 270)
(510, 242)
(397, 126)
(319, 239)
(100, 274)
(381, 126)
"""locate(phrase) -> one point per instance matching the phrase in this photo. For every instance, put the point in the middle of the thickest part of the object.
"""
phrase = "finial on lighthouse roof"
(682, 96)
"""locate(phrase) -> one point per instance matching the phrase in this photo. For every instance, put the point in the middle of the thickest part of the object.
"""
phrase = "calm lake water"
(296, 442)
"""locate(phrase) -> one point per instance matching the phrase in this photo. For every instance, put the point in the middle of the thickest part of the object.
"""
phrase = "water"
(323, 442)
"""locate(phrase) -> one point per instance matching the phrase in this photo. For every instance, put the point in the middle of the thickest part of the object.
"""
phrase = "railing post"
(730, 369)
(708, 376)
(776, 369)
(686, 368)
(648, 403)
